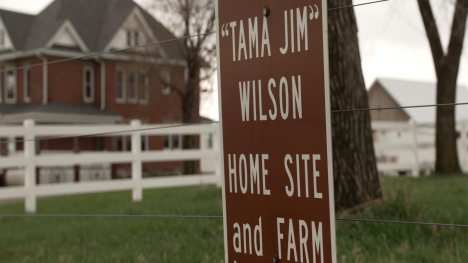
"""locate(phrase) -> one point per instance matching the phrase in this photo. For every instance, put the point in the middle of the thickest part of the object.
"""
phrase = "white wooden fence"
(410, 147)
(29, 161)
(400, 147)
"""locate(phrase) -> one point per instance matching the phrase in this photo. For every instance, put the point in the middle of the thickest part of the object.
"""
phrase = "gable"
(413, 93)
(134, 23)
(379, 98)
(98, 23)
(67, 37)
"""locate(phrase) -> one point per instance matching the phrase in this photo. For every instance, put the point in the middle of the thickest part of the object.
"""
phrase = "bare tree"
(447, 64)
(356, 176)
(189, 18)
(354, 165)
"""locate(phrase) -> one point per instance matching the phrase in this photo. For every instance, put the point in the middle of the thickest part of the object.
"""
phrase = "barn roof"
(412, 93)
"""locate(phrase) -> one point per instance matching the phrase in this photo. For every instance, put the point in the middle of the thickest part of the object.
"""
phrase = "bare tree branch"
(432, 34)
(447, 69)
(457, 36)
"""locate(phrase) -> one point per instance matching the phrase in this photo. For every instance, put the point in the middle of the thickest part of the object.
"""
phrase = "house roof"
(412, 93)
(17, 25)
(56, 113)
(96, 22)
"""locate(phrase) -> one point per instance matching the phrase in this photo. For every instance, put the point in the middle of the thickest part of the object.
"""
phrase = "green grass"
(434, 199)
(117, 239)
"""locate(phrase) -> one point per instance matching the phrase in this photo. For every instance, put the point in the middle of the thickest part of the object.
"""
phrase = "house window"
(123, 143)
(88, 84)
(144, 143)
(166, 79)
(2, 39)
(167, 142)
(176, 142)
(132, 38)
(136, 38)
(132, 87)
(129, 38)
(128, 143)
(10, 86)
(143, 88)
(120, 86)
(119, 144)
(173, 142)
(27, 85)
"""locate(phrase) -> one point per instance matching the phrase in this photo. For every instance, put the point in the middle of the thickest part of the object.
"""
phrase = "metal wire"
(215, 217)
(404, 107)
(349, 6)
(95, 54)
(400, 222)
(103, 216)
(108, 133)
(214, 122)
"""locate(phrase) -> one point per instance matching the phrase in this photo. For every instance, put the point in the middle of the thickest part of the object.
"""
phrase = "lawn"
(432, 199)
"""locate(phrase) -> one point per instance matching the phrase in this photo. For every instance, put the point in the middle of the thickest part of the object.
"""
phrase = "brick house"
(102, 88)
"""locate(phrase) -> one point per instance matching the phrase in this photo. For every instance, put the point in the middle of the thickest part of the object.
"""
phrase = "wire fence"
(97, 54)
(215, 122)
(214, 217)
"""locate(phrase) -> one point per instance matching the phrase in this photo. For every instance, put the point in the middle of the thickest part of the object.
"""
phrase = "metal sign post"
(276, 131)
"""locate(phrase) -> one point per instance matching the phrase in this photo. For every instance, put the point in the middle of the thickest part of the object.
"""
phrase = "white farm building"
(404, 138)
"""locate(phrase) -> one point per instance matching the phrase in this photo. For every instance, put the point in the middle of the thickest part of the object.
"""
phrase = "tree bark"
(355, 173)
(191, 17)
(446, 67)
(190, 114)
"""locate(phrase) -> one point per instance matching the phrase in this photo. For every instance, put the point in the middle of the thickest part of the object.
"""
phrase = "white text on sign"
(252, 45)
(279, 96)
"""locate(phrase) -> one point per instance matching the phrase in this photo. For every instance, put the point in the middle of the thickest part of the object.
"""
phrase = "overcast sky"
(391, 34)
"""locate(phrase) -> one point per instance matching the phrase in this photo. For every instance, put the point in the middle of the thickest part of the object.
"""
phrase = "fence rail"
(400, 147)
(410, 147)
(29, 160)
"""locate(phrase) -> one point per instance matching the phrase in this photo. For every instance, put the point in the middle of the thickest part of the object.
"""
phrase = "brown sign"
(276, 131)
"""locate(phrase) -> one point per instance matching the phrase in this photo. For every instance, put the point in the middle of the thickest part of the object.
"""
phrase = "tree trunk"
(446, 66)
(446, 136)
(355, 173)
(190, 115)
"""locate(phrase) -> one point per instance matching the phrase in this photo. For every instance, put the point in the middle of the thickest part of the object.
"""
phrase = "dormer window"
(132, 38)
(2, 39)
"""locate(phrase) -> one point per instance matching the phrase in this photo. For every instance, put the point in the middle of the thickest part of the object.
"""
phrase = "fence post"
(414, 133)
(137, 166)
(464, 144)
(30, 168)
(216, 148)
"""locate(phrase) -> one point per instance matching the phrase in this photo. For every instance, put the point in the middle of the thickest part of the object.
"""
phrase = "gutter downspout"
(45, 78)
(103, 82)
